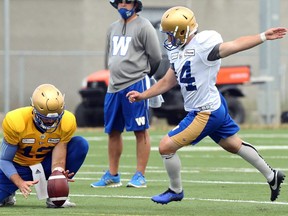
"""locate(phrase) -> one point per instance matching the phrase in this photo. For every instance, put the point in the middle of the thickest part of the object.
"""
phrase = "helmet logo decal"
(52, 104)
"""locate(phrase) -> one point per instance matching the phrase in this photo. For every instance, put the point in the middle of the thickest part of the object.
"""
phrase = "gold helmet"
(48, 104)
(179, 23)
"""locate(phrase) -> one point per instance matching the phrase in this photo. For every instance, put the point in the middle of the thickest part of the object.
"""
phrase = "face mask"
(125, 14)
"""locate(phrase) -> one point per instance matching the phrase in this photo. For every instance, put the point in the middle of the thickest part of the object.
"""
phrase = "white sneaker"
(9, 201)
(67, 204)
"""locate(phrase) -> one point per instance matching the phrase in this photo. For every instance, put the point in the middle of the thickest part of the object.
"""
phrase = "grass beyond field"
(216, 183)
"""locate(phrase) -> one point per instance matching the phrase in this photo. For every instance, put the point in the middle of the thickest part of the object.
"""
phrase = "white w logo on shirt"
(140, 121)
(120, 44)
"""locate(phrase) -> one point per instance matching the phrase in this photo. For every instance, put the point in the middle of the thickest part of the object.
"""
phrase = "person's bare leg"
(115, 147)
(143, 146)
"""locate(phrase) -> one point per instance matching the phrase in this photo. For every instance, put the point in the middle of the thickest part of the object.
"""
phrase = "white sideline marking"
(191, 181)
(159, 137)
(132, 137)
(184, 170)
(208, 140)
(185, 198)
(218, 148)
(199, 199)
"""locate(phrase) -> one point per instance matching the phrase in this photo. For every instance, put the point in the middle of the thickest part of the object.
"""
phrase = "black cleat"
(275, 184)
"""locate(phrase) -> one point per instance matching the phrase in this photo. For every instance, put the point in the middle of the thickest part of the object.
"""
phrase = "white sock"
(172, 164)
(250, 154)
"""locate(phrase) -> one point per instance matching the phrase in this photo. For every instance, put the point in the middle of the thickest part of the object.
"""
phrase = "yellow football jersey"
(19, 129)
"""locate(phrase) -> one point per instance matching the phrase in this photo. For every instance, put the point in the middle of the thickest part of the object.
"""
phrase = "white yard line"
(185, 199)
(218, 148)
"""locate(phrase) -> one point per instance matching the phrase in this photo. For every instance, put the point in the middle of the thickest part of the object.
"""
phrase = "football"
(57, 188)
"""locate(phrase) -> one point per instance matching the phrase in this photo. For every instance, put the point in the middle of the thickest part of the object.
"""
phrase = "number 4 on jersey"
(185, 77)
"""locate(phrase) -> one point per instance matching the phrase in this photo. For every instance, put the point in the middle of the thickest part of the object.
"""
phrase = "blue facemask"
(125, 14)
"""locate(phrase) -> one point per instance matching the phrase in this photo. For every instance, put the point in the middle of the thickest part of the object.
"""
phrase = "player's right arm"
(59, 153)
(163, 85)
(8, 152)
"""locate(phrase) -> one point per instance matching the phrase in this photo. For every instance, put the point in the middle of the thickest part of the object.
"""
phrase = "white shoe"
(67, 204)
(9, 201)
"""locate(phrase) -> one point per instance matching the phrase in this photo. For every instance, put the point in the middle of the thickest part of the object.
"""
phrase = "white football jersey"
(195, 74)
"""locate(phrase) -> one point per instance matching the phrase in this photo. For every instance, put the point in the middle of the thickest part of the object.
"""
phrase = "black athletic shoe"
(275, 184)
